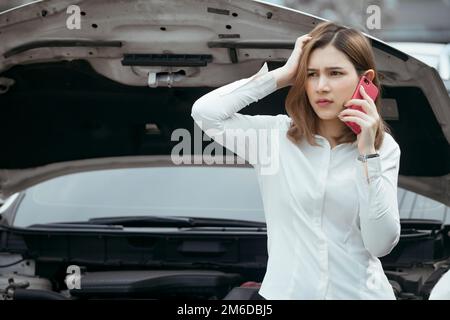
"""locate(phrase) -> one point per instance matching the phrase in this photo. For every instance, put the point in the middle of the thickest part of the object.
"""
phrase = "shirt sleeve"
(378, 205)
(216, 113)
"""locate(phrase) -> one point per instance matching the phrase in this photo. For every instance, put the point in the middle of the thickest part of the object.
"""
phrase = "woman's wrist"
(366, 151)
(282, 77)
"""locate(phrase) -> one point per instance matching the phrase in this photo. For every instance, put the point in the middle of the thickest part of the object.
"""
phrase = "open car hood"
(111, 92)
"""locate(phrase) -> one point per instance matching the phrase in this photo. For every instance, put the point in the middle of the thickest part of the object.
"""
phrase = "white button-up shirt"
(327, 224)
(441, 290)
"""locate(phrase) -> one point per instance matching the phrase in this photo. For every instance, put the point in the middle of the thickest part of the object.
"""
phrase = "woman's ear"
(370, 74)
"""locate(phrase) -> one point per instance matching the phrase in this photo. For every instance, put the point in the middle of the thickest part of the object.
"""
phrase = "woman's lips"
(323, 103)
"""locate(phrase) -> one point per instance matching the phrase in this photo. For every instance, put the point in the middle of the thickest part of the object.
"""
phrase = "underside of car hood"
(112, 92)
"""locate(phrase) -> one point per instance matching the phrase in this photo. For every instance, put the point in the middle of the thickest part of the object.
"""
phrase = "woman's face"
(331, 81)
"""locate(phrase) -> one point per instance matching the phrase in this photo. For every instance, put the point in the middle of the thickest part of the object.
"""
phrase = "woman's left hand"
(368, 121)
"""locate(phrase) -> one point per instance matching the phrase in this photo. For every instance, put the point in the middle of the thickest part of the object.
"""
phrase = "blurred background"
(401, 20)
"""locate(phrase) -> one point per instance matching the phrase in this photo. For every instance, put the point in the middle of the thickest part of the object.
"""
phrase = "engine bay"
(196, 264)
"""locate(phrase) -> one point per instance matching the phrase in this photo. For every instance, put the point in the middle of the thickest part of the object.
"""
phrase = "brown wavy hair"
(358, 50)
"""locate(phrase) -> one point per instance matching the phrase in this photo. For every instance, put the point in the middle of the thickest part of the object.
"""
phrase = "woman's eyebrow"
(327, 68)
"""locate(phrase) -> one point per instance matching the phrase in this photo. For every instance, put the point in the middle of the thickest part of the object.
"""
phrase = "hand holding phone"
(371, 90)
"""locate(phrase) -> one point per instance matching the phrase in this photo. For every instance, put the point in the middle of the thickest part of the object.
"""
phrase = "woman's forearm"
(377, 189)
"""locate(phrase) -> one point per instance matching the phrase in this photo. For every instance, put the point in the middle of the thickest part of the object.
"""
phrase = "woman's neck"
(331, 130)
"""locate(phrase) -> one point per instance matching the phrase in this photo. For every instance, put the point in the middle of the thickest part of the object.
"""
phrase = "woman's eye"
(311, 74)
(335, 73)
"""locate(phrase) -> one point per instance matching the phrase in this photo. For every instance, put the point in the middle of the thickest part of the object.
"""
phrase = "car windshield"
(197, 191)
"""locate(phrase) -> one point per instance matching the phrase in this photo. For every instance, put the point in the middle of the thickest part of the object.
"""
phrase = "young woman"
(331, 207)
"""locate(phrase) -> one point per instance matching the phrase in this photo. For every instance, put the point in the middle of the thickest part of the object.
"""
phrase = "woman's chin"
(328, 116)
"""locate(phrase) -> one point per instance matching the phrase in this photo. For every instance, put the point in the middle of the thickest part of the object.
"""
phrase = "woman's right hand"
(286, 74)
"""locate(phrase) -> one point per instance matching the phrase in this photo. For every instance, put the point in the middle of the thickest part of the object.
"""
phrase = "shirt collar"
(354, 143)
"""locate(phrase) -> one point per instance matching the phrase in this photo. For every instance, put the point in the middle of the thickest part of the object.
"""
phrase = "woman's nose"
(322, 84)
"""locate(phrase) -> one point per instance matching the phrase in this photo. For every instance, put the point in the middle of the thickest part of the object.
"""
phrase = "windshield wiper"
(174, 221)
(74, 225)
(160, 221)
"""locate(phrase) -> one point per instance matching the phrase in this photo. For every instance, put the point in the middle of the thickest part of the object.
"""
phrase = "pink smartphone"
(371, 90)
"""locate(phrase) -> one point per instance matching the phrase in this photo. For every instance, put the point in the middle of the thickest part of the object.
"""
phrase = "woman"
(330, 213)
